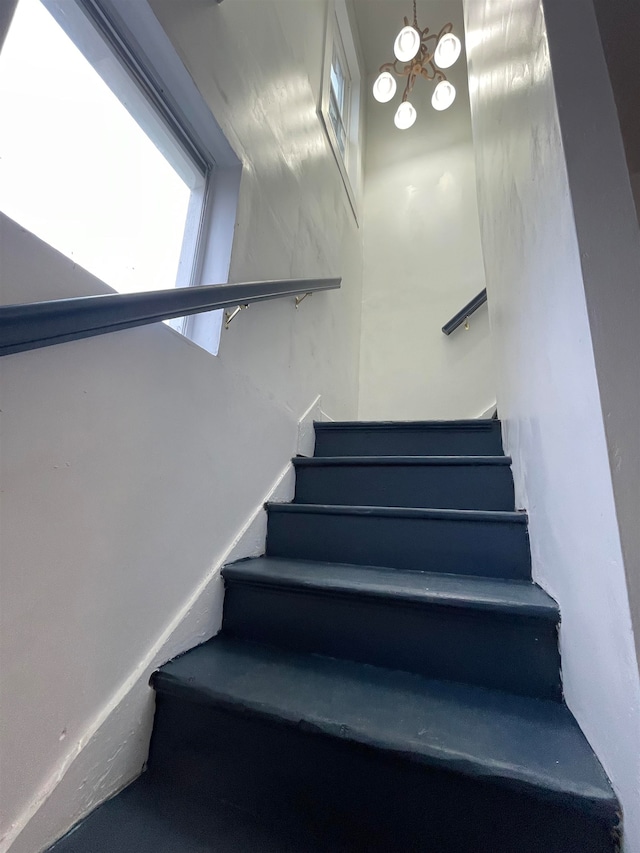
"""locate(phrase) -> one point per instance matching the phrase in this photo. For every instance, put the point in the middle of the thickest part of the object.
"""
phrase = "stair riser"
(485, 648)
(277, 771)
(479, 548)
(482, 487)
(415, 442)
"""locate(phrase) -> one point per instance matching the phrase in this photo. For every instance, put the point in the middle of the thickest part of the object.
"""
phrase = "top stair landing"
(409, 438)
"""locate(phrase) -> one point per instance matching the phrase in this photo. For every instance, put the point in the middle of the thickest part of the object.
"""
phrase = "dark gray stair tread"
(464, 591)
(370, 461)
(155, 817)
(477, 425)
(472, 515)
(531, 744)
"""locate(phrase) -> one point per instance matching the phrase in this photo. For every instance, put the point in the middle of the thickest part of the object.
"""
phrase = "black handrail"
(459, 318)
(32, 325)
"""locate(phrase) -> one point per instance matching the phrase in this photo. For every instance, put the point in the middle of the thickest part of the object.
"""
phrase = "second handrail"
(459, 318)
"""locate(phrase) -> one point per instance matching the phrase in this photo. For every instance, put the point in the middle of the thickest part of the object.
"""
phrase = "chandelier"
(418, 54)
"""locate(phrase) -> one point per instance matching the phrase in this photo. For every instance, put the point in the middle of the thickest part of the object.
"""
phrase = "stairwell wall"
(562, 260)
(133, 463)
(422, 251)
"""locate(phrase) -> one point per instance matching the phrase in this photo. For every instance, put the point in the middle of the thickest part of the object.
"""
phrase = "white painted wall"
(132, 462)
(422, 263)
(422, 252)
(542, 265)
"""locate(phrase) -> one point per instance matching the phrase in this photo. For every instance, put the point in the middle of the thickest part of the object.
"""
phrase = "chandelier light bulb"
(443, 96)
(447, 51)
(405, 116)
(407, 44)
(384, 88)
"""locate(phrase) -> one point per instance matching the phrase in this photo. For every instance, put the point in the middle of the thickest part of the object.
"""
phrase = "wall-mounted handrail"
(32, 325)
(462, 315)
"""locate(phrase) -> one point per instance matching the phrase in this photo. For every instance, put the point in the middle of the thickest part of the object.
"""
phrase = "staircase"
(387, 677)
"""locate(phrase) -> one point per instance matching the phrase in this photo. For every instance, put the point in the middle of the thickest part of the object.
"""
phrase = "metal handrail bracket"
(300, 299)
(229, 316)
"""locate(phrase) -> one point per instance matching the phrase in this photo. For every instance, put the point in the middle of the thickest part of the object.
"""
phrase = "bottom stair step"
(532, 744)
(256, 750)
(151, 816)
(394, 761)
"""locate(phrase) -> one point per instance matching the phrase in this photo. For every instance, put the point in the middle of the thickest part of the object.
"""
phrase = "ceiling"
(379, 22)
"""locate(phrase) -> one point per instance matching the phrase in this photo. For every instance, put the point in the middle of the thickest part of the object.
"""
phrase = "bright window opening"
(339, 95)
(78, 170)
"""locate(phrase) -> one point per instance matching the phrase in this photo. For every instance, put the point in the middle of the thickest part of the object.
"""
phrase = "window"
(339, 94)
(92, 168)
(340, 106)
(107, 152)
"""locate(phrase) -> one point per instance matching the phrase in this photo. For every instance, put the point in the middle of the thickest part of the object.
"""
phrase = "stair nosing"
(484, 425)
(432, 754)
(242, 573)
(407, 461)
(433, 513)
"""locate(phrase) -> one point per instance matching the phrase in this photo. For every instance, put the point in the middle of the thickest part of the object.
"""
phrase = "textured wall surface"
(422, 264)
(422, 252)
(609, 241)
(538, 265)
(133, 461)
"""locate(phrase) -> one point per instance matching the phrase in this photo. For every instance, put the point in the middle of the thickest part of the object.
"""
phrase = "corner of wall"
(306, 431)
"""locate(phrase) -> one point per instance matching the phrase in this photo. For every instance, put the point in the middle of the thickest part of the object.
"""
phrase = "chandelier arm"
(427, 39)
(393, 66)
(433, 73)
(430, 72)
(412, 76)
(448, 28)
